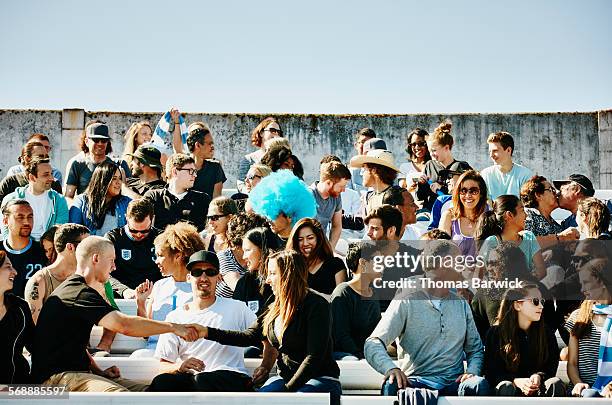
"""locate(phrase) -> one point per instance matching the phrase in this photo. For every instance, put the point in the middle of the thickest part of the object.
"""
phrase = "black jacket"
(16, 331)
(169, 209)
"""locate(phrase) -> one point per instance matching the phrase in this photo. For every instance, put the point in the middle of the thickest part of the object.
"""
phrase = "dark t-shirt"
(64, 326)
(134, 260)
(137, 186)
(192, 208)
(81, 167)
(210, 174)
(248, 290)
(324, 280)
(26, 261)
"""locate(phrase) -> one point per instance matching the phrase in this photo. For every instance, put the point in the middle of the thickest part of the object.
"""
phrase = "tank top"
(466, 243)
(51, 283)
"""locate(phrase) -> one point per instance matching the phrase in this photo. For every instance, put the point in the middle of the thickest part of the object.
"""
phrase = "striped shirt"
(588, 350)
(227, 264)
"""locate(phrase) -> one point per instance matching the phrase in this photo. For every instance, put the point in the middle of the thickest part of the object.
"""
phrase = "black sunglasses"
(535, 301)
(209, 272)
(580, 260)
(140, 231)
(99, 140)
(215, 217)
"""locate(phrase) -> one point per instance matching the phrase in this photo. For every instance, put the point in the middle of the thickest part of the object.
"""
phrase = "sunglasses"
(99, 140)
(418, 144)
(139, 231)
(215, 217)
(471, 190)
(209, 272)
(535, 301)
(274, 131)
(580, 260)
(254, 176)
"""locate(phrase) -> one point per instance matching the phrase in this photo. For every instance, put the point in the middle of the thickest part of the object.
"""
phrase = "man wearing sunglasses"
(95, 147)
(204, 365)
(134, 250)
(572, 190)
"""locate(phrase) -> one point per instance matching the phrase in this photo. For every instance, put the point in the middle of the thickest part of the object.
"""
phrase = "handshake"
(190, 332)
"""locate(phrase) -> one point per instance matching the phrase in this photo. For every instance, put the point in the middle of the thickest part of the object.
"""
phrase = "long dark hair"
(458, 209)
(509, 341)
(419, 133)
(268, 243)
(322, 251)
(492, 222)
(96, 191)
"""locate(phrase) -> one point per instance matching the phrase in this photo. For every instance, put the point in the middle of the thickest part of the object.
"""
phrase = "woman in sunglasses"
(418, 155)
(155, 301)
(102, 207)
(521, 353)
(267, 129)
(506, 222)
(298, 325)
(469, 202)
(220, 211)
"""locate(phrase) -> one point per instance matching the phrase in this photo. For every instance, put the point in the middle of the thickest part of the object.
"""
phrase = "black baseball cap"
(97, 131)
(148, 155)
(203, 256)
(580, 179)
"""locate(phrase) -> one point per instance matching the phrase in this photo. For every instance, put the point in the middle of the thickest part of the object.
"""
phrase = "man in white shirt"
(49, 206)
(204, 365)
(505, 176)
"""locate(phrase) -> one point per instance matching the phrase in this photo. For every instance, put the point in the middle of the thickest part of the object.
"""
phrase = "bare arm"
(336, 229)
(217, 190)
(141, 327)
(445, 222)
(539, 265)
(177, 141)
(69, 192)
(340, 277)
(34, 292)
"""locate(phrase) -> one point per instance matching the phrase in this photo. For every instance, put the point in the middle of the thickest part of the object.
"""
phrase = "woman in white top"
(418, 155)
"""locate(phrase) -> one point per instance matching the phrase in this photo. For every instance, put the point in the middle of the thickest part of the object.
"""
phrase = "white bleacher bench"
(121, 345)
(128, 307)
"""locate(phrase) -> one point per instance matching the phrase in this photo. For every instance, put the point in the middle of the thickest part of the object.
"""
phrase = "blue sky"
(307, 57)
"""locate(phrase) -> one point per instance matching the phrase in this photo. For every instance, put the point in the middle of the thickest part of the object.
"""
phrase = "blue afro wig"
(283, 192)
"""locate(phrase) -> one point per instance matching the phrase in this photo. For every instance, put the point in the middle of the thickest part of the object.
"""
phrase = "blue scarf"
(162, 137)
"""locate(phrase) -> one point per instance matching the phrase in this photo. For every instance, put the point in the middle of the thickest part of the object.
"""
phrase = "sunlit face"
(527, 308)
(139, 230)
(217, 220)
(105, 265)
(367, 176)
(361, 140)
(49, 250)
(97, 146)
(520, 217)
(272, 130)
(336, 189)
(408, 208)
(185, 176)
(469, 194)
(206, 150)
(272, 279)
(498, 154)
(144, 135)
(569, 193)
(7, 276)
(376, 230)
(548, 199)
(418, 145)
(114, 189)
(439, 152)
(19, 220)
(166, 262)
(251, 254)
(204, 286)
(252, 179)
(307, 241)
(44, 178)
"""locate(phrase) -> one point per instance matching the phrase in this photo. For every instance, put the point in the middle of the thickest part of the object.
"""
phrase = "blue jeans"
(473, 386)
(277, 384)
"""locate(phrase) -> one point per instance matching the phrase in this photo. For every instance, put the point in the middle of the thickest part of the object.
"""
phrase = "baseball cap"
(203, 256)
(97, 131)
(149, 155)
(580, 179)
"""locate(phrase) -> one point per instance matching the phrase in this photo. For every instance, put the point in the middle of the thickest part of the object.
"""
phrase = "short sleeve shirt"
(499, 183)
(210, 174)
(326, 208)
(80, 169)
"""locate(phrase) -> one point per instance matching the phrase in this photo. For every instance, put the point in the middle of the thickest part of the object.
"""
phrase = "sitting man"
(204, 365)
(436, 329)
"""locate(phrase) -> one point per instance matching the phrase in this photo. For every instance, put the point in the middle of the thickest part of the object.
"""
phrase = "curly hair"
(240, 224)
(180, 238)
(530, 189)
(282, 192)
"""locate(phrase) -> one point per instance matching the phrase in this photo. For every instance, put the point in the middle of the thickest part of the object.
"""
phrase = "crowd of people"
(266, 271)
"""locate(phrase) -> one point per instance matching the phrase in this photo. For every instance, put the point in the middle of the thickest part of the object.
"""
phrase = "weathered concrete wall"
(552, 144)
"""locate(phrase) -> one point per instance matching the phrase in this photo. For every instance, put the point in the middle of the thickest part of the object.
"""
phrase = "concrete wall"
(552, 144)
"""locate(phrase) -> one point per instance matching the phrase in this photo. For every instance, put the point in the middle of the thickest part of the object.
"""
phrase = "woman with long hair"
(138, 134)
(102, 207)
(17, 328)
(521, 353)
(251, 288)
(506, 222)
(469, 202)
(298, 325)
(593, 219)
(418, 155)
(267, 129)
(325, 271)
(220, 212)
(155, 301)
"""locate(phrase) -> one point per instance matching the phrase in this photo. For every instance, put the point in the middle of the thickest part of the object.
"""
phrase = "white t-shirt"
(411, 233)
(41, 206)
(167, 296)
(226, 314)
(351, 202)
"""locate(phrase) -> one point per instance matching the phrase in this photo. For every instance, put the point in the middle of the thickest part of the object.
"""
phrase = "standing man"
(362, 136)
(210, 176)
(505, 176)
(45, 281)
(49, 206)
(147, 169)
(59, 355)
(134, 250)
(333, 178)
(26, 255)
(204, 365)
(178, 201)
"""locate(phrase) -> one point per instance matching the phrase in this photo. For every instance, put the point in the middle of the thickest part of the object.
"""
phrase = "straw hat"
(376, 156)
